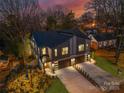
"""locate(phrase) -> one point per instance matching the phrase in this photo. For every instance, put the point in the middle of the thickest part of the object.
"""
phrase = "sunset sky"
(75, 5)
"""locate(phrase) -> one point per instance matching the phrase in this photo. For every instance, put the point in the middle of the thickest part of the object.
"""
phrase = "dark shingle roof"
(54, 38)
(49, 38)
(75, 32)
(104, 36)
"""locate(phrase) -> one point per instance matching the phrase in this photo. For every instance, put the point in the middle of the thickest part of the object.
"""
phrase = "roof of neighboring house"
(104, 36)
(54, 38)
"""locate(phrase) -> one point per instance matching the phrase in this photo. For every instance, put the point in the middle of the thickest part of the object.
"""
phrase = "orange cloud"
(75, 5)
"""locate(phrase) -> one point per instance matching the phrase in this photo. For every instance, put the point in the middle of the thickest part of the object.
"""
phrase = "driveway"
(75, 82)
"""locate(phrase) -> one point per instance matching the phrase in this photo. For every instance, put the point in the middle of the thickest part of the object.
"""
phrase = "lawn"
(108, 66)
(57, 87)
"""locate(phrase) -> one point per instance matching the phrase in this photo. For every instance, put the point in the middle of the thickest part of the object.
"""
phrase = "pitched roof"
(75, 32)
(104, 36)
(49, 38)
(54, 38)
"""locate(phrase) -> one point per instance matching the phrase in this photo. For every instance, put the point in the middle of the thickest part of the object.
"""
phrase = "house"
(103, 40)
(64, 48)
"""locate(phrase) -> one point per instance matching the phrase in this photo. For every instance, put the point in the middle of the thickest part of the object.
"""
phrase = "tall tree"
(59, 17)
(69, 21)
(17, 19)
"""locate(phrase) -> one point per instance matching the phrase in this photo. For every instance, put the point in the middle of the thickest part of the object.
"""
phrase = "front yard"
(108, 66)
(57, 87)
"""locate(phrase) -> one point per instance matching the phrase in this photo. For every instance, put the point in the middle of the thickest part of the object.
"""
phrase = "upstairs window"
(65, 51)
(87, 45)
(44, 51)
(81, 47)
(55, 51)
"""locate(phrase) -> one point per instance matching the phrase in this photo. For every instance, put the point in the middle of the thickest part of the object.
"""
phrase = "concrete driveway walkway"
(75, 82)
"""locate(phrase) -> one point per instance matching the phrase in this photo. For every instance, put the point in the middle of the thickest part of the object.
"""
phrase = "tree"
(87, 17)
(59, 17)
(111, 12)
(17, 19)
(55, 16)
(69, 21)
(87, 20)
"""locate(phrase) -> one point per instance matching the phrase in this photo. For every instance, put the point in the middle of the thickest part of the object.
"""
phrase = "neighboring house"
(102, 40)
(64, 48)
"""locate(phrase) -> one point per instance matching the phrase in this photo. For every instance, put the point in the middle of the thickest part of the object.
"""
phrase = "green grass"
(108, 66)
(57, 87)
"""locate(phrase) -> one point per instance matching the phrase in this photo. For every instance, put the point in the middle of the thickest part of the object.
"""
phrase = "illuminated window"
(55, 51)
(43, 51)
(81, 47)
(87, 45)
(65, 51)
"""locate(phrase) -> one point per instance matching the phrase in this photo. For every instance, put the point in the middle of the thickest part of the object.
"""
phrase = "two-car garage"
(70, 62)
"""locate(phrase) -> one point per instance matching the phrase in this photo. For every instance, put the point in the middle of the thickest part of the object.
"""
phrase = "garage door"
(79, 59)
(63, 64)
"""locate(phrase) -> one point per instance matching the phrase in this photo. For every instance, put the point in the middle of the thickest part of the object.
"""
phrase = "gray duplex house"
(63, 48)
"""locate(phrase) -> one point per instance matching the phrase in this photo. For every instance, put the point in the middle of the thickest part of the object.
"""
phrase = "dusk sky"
(75, 5)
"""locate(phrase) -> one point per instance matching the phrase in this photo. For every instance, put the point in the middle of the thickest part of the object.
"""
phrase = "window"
(43, 51)
(55, 51)
(65, 51)
(81, 47)
(87, 45)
